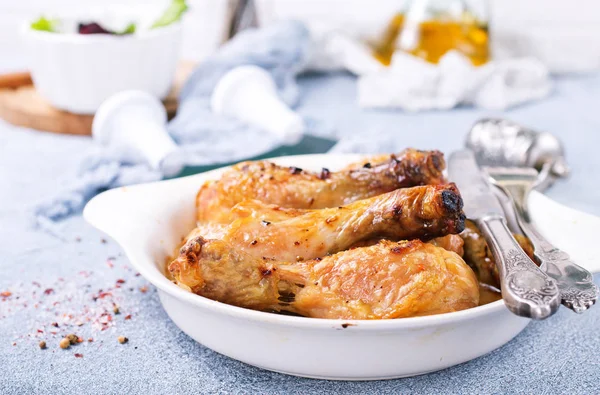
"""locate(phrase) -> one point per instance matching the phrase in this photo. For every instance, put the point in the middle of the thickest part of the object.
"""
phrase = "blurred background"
(562, 34)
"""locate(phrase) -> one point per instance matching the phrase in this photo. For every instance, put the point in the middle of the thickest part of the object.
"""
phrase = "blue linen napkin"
(203, 137)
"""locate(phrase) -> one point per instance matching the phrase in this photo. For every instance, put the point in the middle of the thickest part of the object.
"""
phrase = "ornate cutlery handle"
(577, 289)
(576, 284)
(526, 290)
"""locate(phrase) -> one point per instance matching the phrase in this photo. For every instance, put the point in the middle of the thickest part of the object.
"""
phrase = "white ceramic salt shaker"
(135, 122)
(249, 94)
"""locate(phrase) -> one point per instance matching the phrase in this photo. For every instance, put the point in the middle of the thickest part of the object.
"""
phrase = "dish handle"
(135, 215)
(573, 231)
(111, 213)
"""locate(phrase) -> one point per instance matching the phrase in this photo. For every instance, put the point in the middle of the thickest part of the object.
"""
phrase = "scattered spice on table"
(76, 302)
(78, 355)
(64, 343)
(73, 339)
(122, 339)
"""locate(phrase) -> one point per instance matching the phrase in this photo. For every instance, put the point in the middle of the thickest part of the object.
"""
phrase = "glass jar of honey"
(430, 28)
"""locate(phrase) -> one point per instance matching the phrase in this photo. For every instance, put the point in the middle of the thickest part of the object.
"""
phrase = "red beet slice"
(92, 28)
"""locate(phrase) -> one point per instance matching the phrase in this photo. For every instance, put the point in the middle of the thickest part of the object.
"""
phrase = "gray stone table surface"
(78, 281)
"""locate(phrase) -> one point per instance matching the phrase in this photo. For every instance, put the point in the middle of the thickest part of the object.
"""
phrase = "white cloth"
(413, 84)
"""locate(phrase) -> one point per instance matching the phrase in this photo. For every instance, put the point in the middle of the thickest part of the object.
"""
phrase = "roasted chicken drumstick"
(292, 187)
(386, 280)
(282, 234)
(478, 256)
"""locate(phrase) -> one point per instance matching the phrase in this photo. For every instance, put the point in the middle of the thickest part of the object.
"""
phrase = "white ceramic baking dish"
(149, 221)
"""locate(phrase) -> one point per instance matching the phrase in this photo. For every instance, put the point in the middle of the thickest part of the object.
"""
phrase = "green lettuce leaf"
(130, 29)
(45, 25)
(172, 14)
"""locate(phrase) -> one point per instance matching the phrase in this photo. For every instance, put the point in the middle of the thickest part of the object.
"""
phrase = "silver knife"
(526, 290)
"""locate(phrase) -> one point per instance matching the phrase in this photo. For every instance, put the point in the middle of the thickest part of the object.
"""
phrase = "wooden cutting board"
(21, 105)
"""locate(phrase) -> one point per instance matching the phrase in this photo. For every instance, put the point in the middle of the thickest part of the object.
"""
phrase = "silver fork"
(578, 292)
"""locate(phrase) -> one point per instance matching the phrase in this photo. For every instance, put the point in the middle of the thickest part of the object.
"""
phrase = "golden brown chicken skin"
(294, 235)
(292, 187)
(437, 160)
(453, 243)
(386, 280)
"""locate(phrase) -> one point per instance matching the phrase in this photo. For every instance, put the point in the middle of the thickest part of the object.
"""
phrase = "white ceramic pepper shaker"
(249, 94)
(134, 122)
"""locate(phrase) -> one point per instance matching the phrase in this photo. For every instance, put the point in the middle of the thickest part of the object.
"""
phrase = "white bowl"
(76, 72)
(149, 221)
